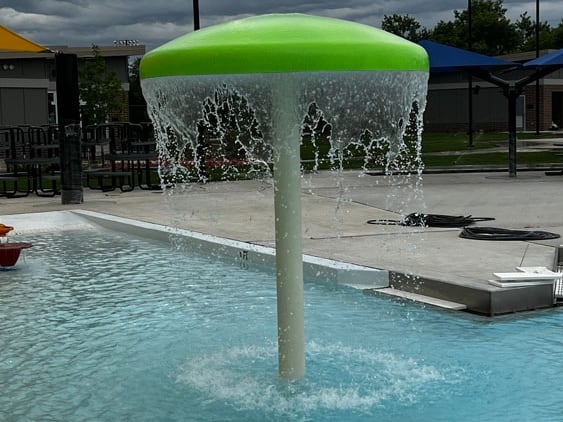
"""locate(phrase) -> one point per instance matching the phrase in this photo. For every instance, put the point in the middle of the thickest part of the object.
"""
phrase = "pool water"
(98, 326)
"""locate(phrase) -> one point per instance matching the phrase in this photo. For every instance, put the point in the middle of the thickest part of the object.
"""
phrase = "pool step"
(446, 304)
(525, 276)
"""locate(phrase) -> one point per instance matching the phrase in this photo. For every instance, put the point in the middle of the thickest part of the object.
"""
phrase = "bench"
(118, 179)
(9, 185)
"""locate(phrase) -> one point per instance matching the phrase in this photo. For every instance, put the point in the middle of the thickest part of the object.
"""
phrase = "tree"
(557, 36)
(100, 90)
(492, 32)
(404, 26)
(229, 133)
(526, 29)
(230, 120)
(447, 33)
(551, 37)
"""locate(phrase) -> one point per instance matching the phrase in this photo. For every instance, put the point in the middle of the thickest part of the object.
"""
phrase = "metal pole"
(512, 159)
(68, 110)
(537, 55)
(289, 255)
(470, 77)
(196, 14)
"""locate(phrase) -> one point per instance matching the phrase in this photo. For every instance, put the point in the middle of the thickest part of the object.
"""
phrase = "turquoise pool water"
(95, 326)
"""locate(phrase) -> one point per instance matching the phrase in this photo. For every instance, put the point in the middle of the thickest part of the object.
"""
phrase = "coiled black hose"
(432, 220)
(477, 233)
(493, 233)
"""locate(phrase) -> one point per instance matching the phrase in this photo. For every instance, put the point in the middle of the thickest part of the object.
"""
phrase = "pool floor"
(96, 325)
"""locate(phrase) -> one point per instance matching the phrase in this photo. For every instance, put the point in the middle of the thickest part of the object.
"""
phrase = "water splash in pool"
(368, 379)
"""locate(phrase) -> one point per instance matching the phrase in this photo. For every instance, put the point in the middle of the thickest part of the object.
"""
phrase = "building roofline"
(81, 52)
(524, 56)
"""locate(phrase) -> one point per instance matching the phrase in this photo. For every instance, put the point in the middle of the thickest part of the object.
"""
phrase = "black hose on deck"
(477, 233)
(432, 220)
(493, 233)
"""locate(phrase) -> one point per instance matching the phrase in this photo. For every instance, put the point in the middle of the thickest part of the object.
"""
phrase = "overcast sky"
(153, 22)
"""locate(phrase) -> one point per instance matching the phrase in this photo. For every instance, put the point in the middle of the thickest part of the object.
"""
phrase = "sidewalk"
(431, 261)
(528, 145)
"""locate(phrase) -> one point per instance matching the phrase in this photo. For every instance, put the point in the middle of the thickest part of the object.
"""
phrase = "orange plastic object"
(5, 229)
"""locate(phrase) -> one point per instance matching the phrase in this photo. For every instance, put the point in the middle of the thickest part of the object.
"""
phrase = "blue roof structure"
(552, 59)
(444, 58)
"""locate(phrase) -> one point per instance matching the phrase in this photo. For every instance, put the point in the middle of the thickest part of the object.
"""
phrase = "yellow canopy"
(10, 41)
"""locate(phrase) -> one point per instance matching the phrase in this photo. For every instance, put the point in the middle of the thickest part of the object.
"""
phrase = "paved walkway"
(528, 145)
(335, 214)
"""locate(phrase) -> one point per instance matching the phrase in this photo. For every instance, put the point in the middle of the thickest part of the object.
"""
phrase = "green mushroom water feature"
(363, 79)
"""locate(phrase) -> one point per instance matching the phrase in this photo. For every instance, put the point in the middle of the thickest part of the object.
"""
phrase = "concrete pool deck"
(434, 262)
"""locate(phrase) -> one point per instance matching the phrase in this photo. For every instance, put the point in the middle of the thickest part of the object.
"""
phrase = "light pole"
(196, 14)
(537, 55)
(470, 78)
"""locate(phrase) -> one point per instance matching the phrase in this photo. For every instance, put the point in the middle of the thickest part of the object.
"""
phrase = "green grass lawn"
(457, 144)
(439, 142)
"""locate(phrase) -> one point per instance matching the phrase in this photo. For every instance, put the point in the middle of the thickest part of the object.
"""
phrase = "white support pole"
(289, 255)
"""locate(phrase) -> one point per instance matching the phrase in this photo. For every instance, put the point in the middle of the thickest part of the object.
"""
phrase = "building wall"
(447, 109)
(550, 104)
(23, 92)
(120, 66)
(448, 104)
(25, 83)
(19, 106)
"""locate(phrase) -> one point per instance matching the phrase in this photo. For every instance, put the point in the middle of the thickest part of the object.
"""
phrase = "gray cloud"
(86, 22)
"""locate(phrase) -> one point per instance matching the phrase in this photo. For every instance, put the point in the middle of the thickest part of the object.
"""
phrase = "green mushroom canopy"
(280, 43)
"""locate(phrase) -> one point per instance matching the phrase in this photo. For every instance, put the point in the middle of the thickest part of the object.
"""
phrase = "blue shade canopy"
(444, 58)
(552, 59)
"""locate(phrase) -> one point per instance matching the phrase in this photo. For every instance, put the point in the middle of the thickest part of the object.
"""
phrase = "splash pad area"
(339, 383)
(277, 66)
(121, 338)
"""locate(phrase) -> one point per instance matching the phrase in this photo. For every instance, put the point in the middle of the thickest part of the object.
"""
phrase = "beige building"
(28, 94)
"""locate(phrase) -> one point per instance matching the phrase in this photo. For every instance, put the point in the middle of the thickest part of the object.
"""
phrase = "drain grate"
(558, 285)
